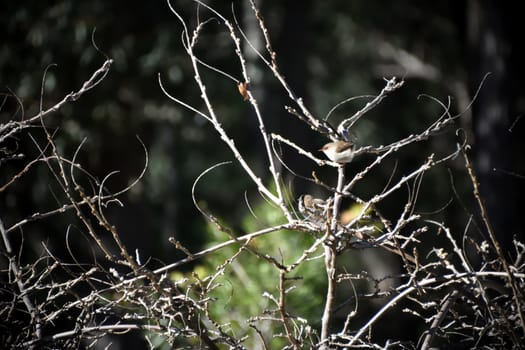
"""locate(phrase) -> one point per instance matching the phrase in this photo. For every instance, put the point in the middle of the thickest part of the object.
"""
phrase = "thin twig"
(516, 293)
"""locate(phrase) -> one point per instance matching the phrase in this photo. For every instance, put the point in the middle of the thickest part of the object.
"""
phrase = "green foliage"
(238, 285)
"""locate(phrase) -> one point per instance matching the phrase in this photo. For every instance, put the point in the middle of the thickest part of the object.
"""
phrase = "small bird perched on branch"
(339, 151)
(309, 205)
(315, 211)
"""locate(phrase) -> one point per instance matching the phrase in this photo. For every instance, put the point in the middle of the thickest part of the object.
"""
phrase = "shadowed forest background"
(327, 50)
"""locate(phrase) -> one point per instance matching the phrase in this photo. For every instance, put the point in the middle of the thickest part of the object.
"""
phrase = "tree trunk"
(497, 145)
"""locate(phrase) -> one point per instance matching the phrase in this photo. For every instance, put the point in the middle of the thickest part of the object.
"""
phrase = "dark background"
(328, 51)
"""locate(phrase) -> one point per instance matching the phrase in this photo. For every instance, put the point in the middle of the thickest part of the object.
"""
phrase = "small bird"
(311, 205)
(314, 210)
(339, 151)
